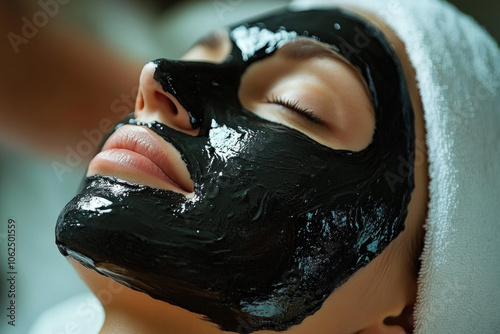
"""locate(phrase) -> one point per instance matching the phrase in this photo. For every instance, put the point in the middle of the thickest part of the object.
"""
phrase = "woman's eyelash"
(294, 105)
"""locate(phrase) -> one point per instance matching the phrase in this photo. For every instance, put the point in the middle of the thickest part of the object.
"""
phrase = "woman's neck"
(128, 311)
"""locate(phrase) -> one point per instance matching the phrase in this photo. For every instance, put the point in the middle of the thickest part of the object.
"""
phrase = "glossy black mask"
(278, 221)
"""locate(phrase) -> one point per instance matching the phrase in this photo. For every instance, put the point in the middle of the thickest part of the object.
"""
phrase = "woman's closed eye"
(306, 86)
(295, 106)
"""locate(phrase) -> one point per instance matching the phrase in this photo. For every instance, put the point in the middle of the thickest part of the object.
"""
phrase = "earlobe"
(400, 324)
(403, 320)
(393, 324)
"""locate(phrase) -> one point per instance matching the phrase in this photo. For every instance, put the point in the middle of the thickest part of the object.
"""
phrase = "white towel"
(458, 72)
(82, 313)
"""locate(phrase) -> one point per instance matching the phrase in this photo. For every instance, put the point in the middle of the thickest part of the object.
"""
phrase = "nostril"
(166, 103)
(140, 102)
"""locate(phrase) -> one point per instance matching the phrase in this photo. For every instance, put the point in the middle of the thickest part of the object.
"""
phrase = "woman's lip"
(135, 153)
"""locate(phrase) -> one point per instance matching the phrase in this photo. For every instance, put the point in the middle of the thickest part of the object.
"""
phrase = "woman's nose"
(154, 104)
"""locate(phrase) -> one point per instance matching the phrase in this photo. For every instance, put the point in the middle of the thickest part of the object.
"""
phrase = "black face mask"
(278, 221)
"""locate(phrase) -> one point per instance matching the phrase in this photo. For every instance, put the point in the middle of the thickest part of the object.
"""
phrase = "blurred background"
(486, 12)
(33, 185)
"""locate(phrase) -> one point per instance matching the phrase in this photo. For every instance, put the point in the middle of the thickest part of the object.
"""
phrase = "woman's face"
(252, 182)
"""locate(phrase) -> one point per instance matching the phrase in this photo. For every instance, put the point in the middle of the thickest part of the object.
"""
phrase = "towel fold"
(458, 73)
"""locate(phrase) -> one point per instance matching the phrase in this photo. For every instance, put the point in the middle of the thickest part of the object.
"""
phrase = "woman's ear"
(400, 324)
(404, 319)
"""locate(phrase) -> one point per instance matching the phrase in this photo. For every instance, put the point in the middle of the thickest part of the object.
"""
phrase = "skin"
(377, 299)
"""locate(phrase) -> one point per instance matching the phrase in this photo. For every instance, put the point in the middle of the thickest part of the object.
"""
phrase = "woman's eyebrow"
(303, 48)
